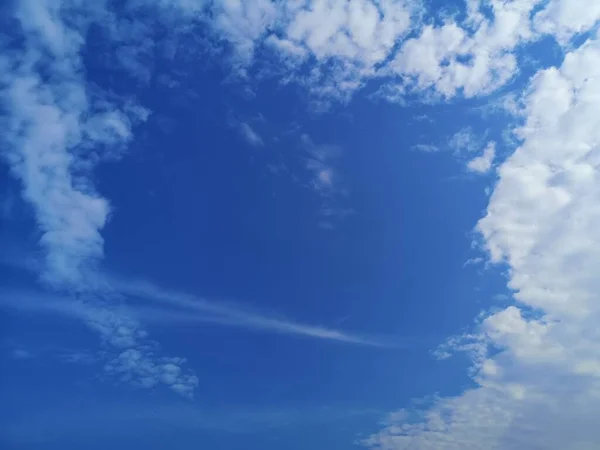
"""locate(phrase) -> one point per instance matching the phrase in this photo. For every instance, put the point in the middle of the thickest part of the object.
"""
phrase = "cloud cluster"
(146, 370)
(334, 47)
(536, 363)
(337, 43)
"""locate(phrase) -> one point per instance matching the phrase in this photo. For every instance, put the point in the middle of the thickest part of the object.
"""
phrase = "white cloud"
(535, 363)
(565, 18)
(483, 163)
(344, 41)
(52, 125)
(243, 24)
(334, 47)
(474, 58)
(55, 126)
(342, 45)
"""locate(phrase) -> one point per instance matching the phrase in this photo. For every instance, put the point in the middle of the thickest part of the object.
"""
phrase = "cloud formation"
(119, 325)
(535, 364)
(56, 127)
(334, 47)
(52, 134)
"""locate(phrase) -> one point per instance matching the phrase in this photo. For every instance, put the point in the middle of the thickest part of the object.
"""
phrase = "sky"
(325, 224)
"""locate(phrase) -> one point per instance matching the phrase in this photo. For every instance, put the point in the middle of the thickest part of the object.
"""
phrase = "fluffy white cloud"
(334, 47)
(483, 163)
(475, 57)
(243, 24)
(52, 130)
(536, 364)
(342, 42)
(341, 45)
(565, 18)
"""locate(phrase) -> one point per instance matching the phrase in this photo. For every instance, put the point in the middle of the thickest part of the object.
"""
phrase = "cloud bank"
(536, 364)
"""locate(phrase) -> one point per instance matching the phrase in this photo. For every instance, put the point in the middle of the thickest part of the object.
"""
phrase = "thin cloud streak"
(227, 314)
(175, 308)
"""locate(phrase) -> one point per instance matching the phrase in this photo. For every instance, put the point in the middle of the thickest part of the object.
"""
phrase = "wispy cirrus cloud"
(146, 303)
(233, 315)
(250, 135)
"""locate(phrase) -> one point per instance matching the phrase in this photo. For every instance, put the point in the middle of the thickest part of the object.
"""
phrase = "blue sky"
(306, 224)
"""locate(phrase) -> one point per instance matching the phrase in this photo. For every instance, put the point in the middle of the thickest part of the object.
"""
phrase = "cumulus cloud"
(333, 47)
(343, 42)
(348, 43)
(535, 364)
(475, 58)
(52, 131)
(483, 163)
(566, 18)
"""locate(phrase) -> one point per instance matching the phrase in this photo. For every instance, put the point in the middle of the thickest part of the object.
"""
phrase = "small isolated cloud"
(250, 135)
(426, 148)
(320, 164)
(474, 261)
(422, 118)
(483, 163)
